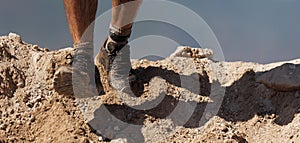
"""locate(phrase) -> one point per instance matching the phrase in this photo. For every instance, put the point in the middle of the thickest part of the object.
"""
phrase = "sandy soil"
(184, 98)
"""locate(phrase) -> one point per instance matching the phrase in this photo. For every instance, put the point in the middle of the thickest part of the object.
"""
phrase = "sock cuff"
(119, 31)
(118, 39)
(85, 48)
(85, 45)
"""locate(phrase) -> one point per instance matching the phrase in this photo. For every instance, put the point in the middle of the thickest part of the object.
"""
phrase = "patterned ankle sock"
(118, 35)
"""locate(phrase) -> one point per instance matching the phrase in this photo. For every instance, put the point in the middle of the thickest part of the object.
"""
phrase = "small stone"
(3, 126)
(14, 37)
(11, 111)
(120, 140)
(32, 119)
(46, 50)
(29, 104)
(189, 55)
(35, 47)
(100, 138)
(5, 114)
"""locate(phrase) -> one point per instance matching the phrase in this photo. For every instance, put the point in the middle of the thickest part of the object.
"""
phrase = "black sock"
(118, 35)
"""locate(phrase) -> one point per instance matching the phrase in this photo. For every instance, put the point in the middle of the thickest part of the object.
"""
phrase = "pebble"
(35, 47)
(46, 49)
(32, 119)
(100, 138)
(120, 140)
(15, 37)
(21, 84)
(29, 104)
(11, 111)
(3, 126)
(5, 114)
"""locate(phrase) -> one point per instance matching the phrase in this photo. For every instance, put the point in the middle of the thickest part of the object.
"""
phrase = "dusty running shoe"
(115, 59)
(78, 79)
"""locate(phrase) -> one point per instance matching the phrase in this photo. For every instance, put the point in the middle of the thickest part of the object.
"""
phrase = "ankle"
(113, 47)
(118, 36)
(83, 45)
(84, 48)
(84, 51)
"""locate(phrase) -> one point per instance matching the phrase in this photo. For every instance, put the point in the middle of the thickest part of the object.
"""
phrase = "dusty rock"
(283, 78)
(185, 51)
(187, 97)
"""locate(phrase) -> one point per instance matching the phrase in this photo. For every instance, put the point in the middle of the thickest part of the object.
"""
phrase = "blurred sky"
(249, 30)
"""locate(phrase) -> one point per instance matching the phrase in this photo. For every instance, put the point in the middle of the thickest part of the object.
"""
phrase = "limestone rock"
(282, 78)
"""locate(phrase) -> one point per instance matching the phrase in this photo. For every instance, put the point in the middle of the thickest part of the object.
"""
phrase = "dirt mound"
(184, 98)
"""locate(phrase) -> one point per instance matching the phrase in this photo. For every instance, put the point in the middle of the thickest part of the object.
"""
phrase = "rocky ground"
(187, 97)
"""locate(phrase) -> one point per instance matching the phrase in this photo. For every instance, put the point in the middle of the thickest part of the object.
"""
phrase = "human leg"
(123, 15)
(80, 15)
(114, 55)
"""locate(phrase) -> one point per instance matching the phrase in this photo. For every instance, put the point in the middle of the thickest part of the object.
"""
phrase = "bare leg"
(123, 15)
(114, 57)
(80, 14)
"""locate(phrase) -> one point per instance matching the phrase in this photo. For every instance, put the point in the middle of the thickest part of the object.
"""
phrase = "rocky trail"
(187, 97)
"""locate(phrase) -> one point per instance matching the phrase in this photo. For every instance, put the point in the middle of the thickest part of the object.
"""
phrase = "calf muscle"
(80, 15)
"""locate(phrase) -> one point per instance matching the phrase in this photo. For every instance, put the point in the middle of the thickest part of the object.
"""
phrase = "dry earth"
(184, 98)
